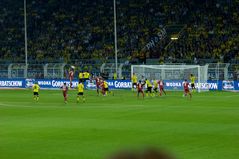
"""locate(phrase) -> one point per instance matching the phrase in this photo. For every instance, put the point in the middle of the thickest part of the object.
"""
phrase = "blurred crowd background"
(82, 32)
(60, 30)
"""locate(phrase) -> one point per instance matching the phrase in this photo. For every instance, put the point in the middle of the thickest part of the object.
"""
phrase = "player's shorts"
(134, 85)
(80, 80)
(106, 89)
(186, 90)
(97, 86)
(149, 89)
(140, 91)
(155, 89)
(192, 85)
(161, 88)
(80, 94)
(64, 94)
(35, 93)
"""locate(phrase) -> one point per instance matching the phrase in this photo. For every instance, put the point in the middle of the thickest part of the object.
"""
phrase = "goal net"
(173, 73)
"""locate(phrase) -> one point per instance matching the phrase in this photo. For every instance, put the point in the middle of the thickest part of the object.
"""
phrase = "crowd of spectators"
(66, 31)
(212, 33)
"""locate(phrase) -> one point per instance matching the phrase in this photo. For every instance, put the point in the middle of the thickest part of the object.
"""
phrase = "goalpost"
(173, 72)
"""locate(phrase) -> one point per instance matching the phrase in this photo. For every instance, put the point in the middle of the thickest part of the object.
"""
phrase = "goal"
(173, 73)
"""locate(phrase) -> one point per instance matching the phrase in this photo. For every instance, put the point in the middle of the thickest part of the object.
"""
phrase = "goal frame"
(179, 67)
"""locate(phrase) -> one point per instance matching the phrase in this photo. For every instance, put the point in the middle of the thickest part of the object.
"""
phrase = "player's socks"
(37, 99)
(78, 99)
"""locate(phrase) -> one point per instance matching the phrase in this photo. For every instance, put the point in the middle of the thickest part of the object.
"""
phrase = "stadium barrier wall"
(113, 84)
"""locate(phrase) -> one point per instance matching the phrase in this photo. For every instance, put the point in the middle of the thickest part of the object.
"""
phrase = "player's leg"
(65, 97)
(193, 87)
(80, 94)
(70, 82)
(146, 92)
(185, 93)
(83, 98)
(151, 92)
(156, 90)
(190, 94)
(78, 97)
(142, 93)
(106, 91)
(102, 91)
(34, 96)
(163, 91)
(111, 92)
(97, 90)
(37, 97)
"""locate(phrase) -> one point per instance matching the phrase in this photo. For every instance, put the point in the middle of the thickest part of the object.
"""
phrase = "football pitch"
(206, 127)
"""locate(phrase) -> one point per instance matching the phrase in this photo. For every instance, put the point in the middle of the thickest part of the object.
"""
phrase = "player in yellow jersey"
(105, 88)
(80, 77)
(155, 86)
(80, 89)
(35, 89)
(134, 81)
(193, 78)
(149, 88)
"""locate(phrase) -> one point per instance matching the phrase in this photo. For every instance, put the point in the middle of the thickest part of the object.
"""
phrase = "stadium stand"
(81, 32)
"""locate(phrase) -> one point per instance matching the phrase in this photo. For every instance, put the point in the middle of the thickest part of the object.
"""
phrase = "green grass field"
(207, 127)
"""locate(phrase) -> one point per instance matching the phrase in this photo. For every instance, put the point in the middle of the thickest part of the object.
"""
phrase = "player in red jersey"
(102, 86)
(71, 76)
(98, 83)
(140, 89)
(186, 88)
(64, 91)
(161, 87)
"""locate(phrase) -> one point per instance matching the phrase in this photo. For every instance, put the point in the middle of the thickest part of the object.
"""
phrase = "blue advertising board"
(114, 84)
(49, 84)
(228, 85)
(12, 83)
